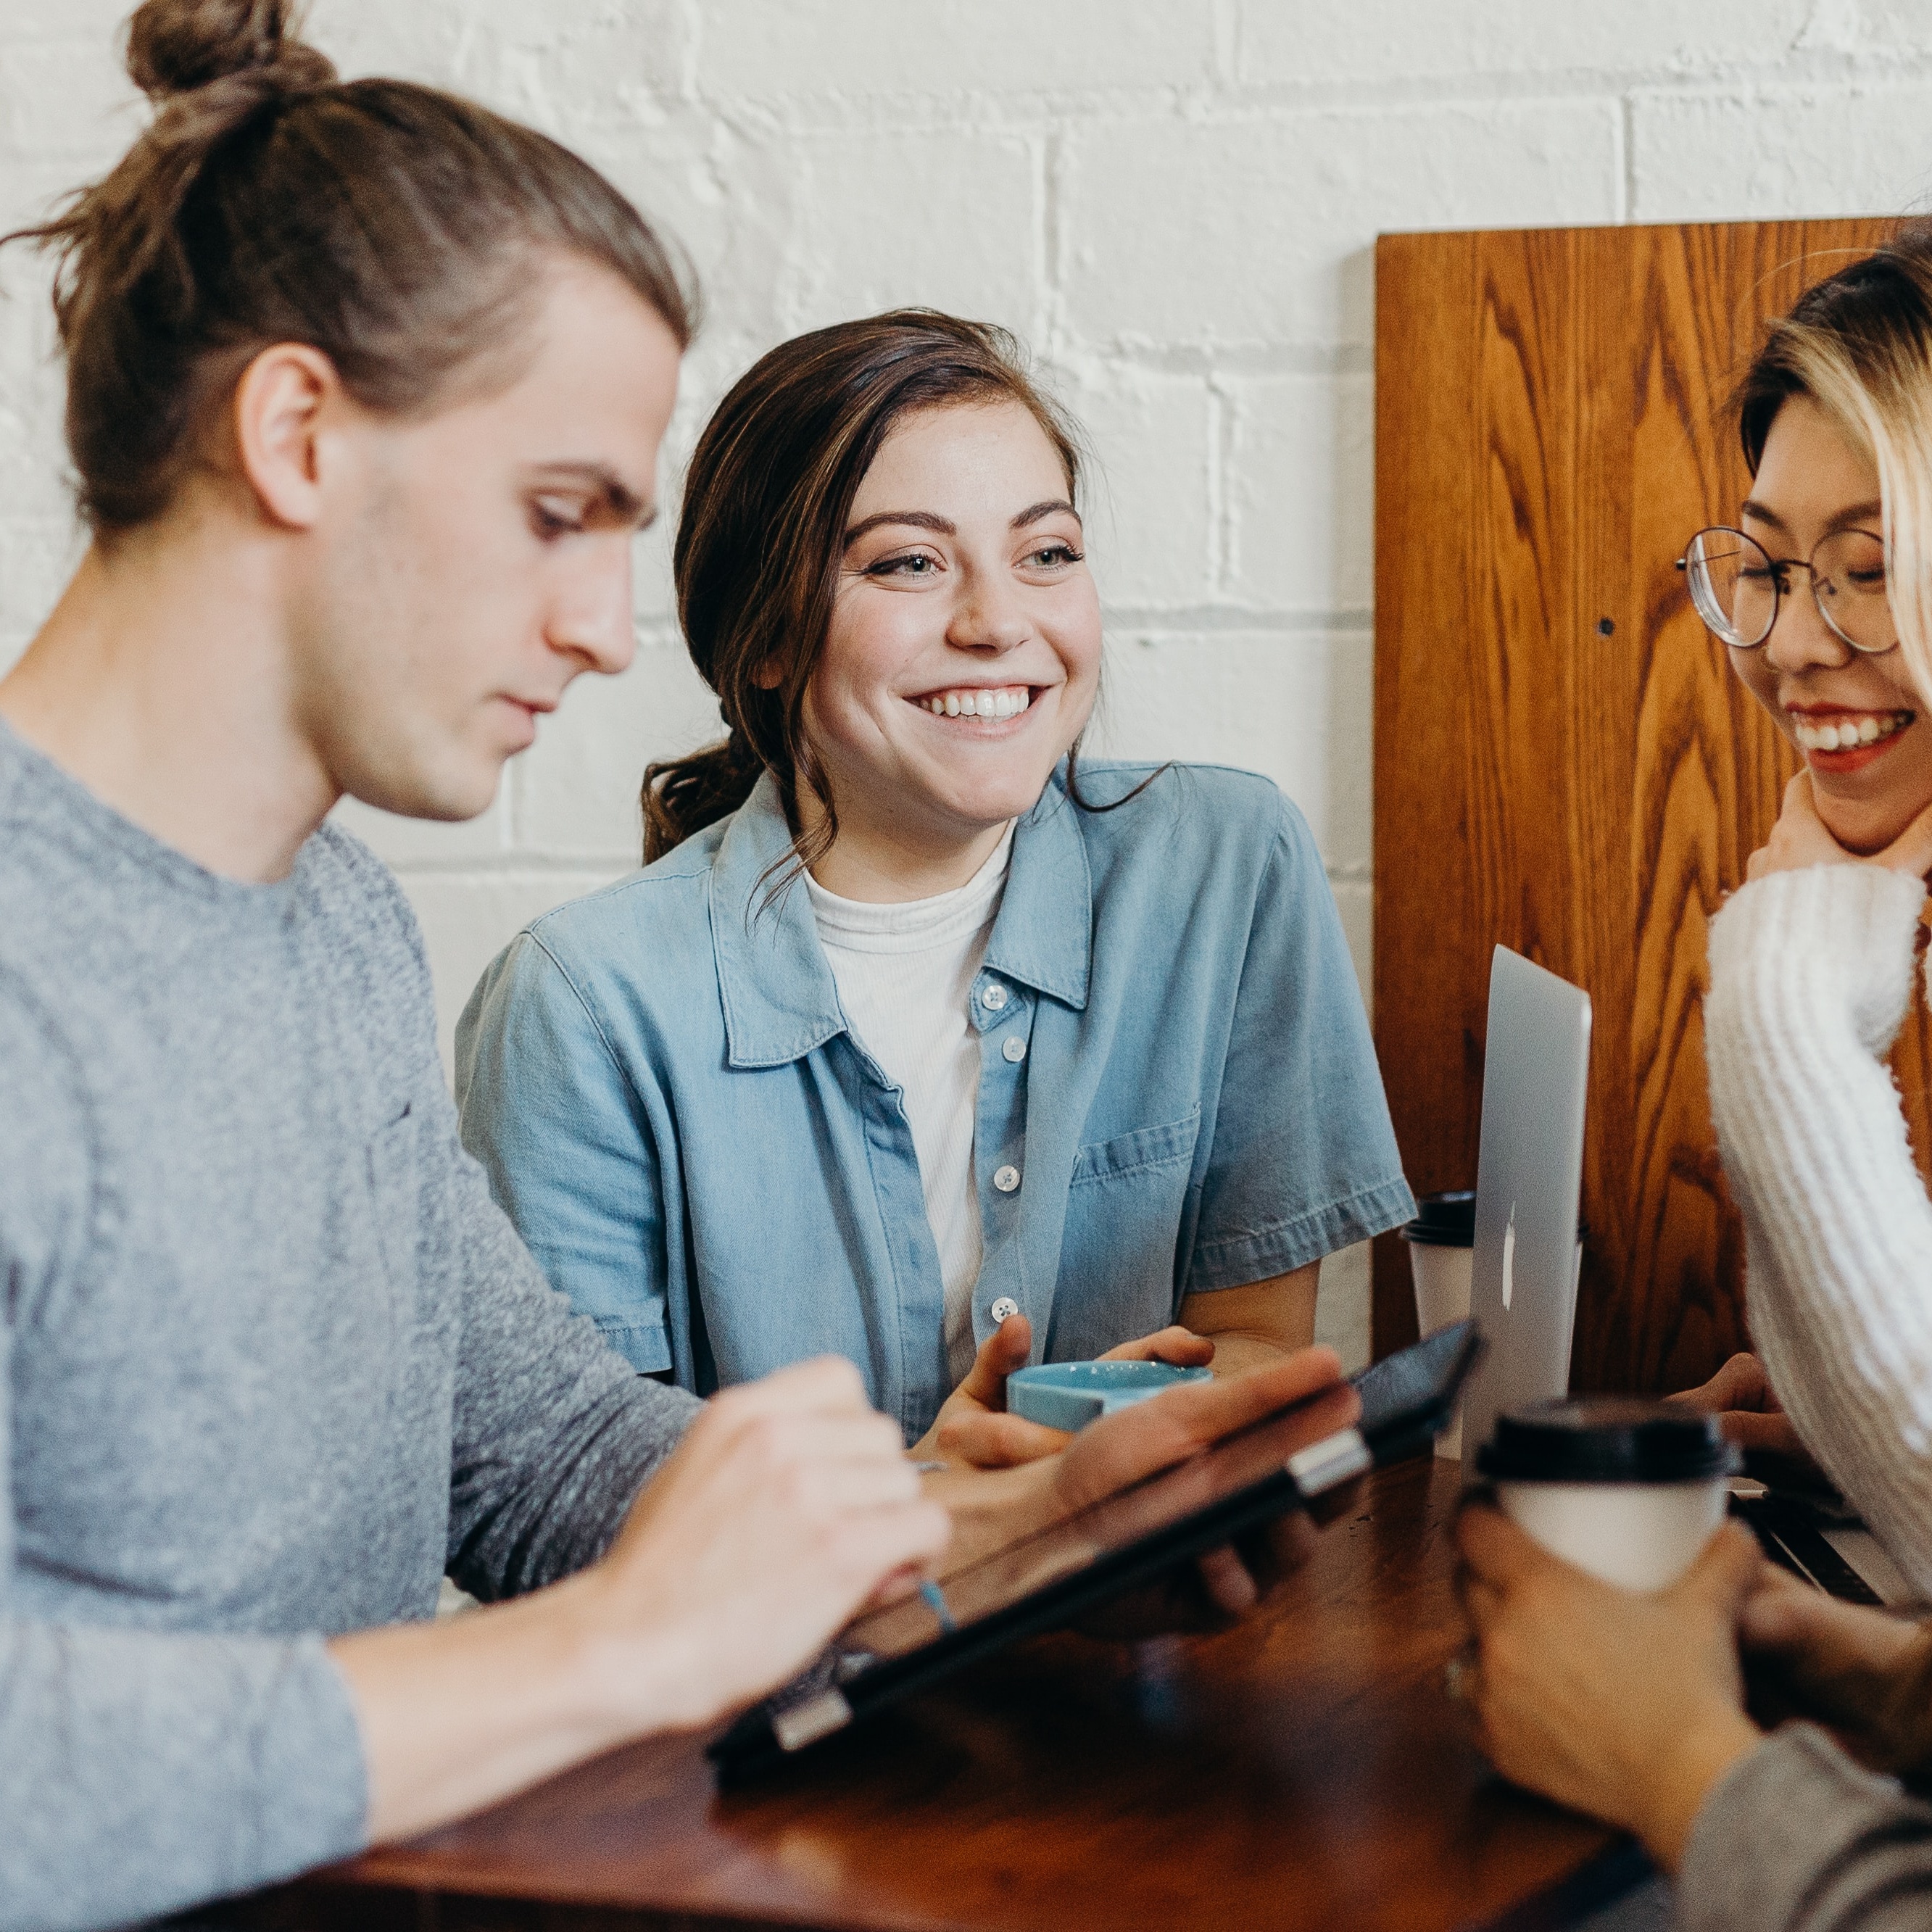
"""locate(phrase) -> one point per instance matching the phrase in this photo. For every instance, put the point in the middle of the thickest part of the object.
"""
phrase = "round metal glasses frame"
(1738, 587)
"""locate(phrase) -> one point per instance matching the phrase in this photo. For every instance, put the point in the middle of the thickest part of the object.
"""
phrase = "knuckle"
(768, 1441)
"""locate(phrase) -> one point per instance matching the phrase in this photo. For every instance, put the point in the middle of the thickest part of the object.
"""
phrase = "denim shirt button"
(1002, 1308)
(1006, 1179)
(994, 997)
(1014, 1048)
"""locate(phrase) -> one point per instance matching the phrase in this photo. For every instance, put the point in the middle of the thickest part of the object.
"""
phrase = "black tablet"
(1053, 1575)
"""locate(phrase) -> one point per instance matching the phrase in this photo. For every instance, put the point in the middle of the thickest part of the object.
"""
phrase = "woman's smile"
(978, 704)
(1838, 739)
(1853, 716)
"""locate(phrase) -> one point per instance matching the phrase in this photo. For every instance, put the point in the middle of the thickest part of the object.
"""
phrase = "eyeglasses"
(1736, 586)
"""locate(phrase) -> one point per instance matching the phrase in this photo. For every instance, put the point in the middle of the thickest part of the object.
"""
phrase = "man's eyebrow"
(1046, 508)
(924, 520)
(619, 500)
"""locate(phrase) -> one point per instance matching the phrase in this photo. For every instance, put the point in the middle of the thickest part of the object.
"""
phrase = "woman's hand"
(1800, 838)
(992, 1509)
(1741, 1395)
(1866, 1675)
(973, 1427)
(1630, 1707)
(1119, 1449)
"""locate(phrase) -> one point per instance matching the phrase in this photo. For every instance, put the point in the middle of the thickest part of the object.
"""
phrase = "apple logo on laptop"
(1509, 1258)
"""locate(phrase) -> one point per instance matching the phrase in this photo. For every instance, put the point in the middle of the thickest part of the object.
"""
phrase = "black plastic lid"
(1607, 1439)
(1443, 1220)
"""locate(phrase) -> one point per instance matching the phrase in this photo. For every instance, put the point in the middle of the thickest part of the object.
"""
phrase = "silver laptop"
(1529, 1173)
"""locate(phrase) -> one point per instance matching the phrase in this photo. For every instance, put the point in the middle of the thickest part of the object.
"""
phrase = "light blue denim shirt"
(663, 1087)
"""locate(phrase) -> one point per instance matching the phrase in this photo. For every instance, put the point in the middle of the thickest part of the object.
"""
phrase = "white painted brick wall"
(1175, 201)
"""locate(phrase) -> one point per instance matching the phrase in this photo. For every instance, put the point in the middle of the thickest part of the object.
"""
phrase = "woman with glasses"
(1632, 1707)
(921, 1040)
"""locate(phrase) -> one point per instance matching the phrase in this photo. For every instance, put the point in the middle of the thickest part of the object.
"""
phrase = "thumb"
(1003, 1350)
(1726, 1573)
(1800, 802)
(1911, 851)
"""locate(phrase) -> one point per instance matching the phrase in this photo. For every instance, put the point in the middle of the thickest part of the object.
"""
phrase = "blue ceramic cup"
(1069, 1395)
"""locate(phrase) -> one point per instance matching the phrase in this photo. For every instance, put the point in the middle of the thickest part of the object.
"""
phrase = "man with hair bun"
(366, 387)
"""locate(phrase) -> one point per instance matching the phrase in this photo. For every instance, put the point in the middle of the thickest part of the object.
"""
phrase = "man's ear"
(279, 403)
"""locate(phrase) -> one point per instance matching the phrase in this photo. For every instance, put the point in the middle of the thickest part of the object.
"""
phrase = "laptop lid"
(1529, 1173)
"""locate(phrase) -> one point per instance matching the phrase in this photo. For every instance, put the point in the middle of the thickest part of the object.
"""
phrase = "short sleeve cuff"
(644, 1345)
(1234, 1261)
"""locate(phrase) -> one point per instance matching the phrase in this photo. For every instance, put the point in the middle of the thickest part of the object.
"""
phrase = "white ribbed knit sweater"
(1811, 974)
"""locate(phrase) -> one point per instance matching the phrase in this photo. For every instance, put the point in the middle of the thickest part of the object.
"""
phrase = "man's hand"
(973, 1427)
(1800, 838)
(1628, 1706)
(1741, 1395)
(790, 1503)
(1866, 1675)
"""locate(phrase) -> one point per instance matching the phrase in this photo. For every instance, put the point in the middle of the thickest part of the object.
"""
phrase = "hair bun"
(175, 47)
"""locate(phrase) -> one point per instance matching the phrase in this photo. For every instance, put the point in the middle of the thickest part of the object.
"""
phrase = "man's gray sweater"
(270, 1359)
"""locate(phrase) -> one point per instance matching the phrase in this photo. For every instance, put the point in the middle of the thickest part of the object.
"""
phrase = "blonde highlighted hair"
(1859, 344)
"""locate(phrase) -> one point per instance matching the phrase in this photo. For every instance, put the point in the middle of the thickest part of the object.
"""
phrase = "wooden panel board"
(1564, 762)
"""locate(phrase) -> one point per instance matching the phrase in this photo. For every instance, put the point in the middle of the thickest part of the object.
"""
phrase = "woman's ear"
(279, 407)
(770, 675)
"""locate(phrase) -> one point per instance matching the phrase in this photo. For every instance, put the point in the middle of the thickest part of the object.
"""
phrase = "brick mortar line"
(1009, 115)
(1185, 620)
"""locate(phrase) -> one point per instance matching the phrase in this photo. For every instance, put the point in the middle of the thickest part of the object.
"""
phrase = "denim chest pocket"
(1124, 1205)
(395, 1187)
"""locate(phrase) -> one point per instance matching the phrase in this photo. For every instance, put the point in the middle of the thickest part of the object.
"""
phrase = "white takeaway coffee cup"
(1628, 1490)
(1442, 1252)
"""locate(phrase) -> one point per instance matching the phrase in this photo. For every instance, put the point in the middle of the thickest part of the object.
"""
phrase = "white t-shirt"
(904, 974)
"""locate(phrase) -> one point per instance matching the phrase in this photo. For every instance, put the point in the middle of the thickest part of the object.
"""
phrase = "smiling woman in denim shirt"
(918, 1040)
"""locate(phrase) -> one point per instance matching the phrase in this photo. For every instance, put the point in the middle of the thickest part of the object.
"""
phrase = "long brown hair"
(393, 227)
(766, 504)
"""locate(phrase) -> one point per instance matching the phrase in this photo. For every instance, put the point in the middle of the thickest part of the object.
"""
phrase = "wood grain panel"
(1425, 311)
(1550, 427)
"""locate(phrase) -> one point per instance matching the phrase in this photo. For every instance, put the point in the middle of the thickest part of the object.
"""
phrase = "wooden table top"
(1303, 1770)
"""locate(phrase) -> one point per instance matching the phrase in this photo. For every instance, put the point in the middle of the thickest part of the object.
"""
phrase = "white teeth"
(1850, 731)
(1008, 702)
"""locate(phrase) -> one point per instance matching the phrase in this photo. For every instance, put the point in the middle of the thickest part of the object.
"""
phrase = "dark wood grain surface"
(1564, 762)
(1303, 1771)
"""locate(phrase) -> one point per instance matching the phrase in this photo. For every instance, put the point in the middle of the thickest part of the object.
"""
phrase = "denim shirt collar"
(780, 1000)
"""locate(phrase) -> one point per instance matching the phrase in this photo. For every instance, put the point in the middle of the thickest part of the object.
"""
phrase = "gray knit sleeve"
(555, 1431)
(1798, 1838)
(139, 1771)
